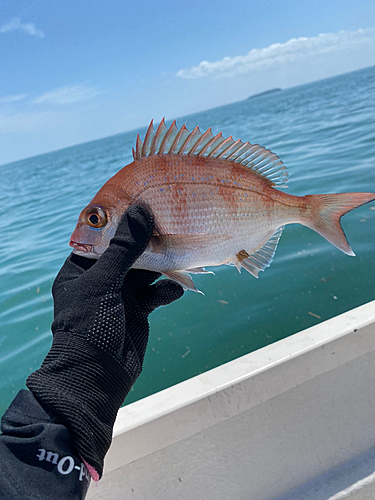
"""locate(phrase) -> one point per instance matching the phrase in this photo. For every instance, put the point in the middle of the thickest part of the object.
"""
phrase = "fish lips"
(80, 247)
(84, 240)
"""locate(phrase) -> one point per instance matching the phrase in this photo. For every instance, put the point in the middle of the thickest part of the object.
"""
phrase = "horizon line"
(137, 129)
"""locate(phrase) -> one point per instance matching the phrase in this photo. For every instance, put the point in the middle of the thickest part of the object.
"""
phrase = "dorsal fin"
(181, 141)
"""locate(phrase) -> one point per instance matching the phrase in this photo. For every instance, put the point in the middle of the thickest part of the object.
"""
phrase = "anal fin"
(262, 258)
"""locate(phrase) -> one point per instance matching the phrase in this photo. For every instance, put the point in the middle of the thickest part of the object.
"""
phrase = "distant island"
(272, 91)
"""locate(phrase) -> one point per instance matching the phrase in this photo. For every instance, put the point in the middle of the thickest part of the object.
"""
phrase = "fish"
(215, 201)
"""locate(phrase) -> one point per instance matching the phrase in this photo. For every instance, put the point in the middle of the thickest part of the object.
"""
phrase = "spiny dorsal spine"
(180, 141)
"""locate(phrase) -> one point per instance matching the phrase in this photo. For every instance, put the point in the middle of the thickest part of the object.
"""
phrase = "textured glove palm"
(100, 334)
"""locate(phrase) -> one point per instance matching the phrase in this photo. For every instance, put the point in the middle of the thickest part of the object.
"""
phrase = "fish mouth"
(81, 247)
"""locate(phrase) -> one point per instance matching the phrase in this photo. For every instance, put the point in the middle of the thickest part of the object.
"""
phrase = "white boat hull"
(293, 420)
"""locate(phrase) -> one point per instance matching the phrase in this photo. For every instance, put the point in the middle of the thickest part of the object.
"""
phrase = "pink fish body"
(214, 201)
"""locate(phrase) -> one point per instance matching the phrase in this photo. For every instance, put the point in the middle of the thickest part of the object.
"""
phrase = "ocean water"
(325, 134)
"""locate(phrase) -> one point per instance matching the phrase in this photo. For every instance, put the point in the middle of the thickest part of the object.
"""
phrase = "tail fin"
(327, 210)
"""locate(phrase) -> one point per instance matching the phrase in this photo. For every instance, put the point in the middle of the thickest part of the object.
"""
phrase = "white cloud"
(279, 53)
(16, 25)
(25, 122)
(68, 95)
(11, 98)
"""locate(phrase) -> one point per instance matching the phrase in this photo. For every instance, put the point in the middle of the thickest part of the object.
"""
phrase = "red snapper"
(214, 201)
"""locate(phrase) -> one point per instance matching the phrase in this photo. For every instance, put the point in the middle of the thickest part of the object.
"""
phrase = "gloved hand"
(100, 333)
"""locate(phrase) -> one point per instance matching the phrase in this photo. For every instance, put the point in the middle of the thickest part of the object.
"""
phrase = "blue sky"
(73, 71)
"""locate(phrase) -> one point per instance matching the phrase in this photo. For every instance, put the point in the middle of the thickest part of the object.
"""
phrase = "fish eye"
(96, 217)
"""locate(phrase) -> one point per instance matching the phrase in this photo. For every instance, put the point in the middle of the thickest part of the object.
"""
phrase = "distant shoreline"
(271, 91)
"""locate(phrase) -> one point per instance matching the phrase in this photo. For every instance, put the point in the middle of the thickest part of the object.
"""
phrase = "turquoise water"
(325, 134)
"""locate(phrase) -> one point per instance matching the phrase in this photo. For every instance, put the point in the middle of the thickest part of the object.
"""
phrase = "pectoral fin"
(187, 242)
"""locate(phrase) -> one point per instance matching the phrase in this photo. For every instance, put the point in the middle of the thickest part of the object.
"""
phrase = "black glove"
(100, 333)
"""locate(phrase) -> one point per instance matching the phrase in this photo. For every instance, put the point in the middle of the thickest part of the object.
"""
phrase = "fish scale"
(214, 202)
